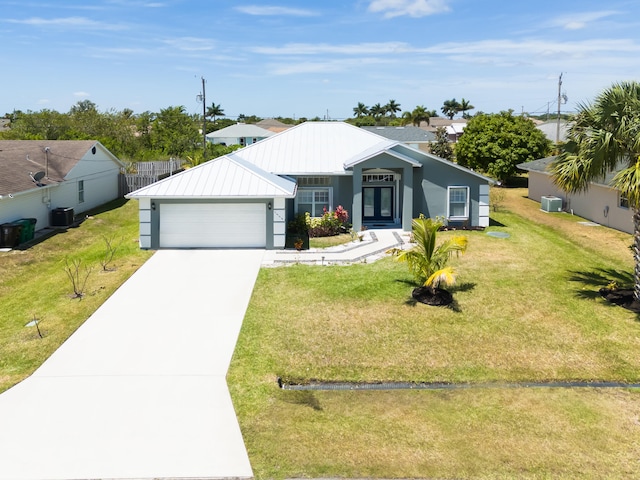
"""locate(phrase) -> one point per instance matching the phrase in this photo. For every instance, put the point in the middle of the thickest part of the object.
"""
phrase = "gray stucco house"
(246, 198)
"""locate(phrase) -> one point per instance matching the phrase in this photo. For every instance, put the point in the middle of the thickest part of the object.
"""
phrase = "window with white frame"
(458, 205)
(313, 200)
(623, 202)
(80, 191)
(313, 181)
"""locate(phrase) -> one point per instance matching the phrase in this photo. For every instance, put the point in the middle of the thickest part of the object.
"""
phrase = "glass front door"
(377, 203)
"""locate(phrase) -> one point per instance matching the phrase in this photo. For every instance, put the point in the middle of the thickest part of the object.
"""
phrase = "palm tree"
(419, 115)
(377, 111)
(428, 262)
(464, 106)
(361, 110)
(391, 108)
(605, 137)
(450, 108)
(215, 111)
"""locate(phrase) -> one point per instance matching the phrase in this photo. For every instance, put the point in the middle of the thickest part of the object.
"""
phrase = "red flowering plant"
(331, 223)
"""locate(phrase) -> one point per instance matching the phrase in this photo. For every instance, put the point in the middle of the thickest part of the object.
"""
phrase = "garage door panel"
(212, 225)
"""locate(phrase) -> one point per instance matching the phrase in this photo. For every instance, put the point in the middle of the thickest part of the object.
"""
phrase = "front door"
(377, 204)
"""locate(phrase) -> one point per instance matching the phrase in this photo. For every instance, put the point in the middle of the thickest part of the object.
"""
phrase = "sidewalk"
(374, 245)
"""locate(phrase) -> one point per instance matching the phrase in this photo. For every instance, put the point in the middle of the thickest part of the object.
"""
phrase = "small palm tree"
(428, 262)
(215, 111)
(377, 111)
(419, 115)
(450, 108)
(464, 107)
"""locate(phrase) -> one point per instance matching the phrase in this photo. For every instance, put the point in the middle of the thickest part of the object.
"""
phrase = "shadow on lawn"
(455, 306)
(598, 279)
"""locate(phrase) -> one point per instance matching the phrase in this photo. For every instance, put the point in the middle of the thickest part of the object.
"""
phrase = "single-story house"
(415, 137)
(600, 203)
(239, 134)
(454, 127)
(554, 130)
(41, 176)
(273, 125)
(247, 198)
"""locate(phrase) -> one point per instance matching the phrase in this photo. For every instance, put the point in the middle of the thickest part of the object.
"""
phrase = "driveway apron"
(139, 390)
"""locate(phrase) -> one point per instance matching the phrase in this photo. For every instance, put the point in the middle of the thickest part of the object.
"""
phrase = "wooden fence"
(147, 173)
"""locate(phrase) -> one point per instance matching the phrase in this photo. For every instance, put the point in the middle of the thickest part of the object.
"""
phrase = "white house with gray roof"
(247, 198)
(239, 134)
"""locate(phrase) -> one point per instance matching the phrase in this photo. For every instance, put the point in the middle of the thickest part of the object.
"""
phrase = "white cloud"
(81, 94)
(325, 48)
(578, 21)
(191, 44)
(267, 10)
(67, 22)
(412, 8)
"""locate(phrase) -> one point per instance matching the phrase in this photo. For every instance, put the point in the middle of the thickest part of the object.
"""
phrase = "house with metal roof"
(601, 203)
(40, 177)
(315, 166)
(239, 134)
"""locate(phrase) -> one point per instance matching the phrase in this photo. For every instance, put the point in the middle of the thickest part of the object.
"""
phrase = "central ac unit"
(551, 204)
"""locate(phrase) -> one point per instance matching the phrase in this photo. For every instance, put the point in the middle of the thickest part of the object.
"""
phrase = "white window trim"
(315, 189)
(80, 191)
(466, 207)
(622, 200)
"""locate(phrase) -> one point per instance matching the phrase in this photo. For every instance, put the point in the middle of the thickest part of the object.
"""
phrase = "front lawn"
(527, 309)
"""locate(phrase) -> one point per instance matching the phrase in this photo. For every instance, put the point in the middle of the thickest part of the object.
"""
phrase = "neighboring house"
(39, 176)
(5, 124)
(239, 134)
(273, 125)
(409, 135)
(601, 203)
(554, 130)
(247, 198)
(454, 127)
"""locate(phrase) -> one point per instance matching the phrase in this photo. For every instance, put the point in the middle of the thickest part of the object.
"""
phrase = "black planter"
(293, 237)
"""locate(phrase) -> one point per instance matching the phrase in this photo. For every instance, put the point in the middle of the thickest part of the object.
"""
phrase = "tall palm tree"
(464, 106)
(420, 114)
(450, 108)
(377, 111)
(604, 138)
(215, 111)
(392, 108)
(428, 262)
(361, 110)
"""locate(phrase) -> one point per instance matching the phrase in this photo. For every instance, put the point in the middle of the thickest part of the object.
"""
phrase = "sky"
(314, 58)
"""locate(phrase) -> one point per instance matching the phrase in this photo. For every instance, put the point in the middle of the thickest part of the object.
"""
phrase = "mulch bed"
(623, 297)
(432, 296)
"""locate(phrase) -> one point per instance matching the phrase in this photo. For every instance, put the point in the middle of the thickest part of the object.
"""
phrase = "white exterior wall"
(145, 223)
(32, 204)
(591, 205)
(100, 174)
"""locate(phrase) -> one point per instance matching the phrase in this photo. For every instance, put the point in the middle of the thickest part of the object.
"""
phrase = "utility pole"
(202, 97)
(559, 104)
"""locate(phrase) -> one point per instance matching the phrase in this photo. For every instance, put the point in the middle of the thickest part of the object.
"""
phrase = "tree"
(497, 143)
(450, 108)
(442, 147)
(361, 110)
(392, 108)
(377, 111)
(428, 262)
(214, 111)
(604, 137)
(464, 106)
(416, 117)
(174, 132)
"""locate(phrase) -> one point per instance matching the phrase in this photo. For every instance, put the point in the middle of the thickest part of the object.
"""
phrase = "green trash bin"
(28, 229)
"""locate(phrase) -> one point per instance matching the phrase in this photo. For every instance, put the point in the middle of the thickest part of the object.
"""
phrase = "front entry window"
(314, 201)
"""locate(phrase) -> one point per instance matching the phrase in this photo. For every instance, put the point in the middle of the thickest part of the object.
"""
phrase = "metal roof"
(223, 177)
(542, 165)
(241, 130)
(313, 148)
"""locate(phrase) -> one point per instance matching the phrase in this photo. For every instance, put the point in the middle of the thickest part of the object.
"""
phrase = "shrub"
(331, 223)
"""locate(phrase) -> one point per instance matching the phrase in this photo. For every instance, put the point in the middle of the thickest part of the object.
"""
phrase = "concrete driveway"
(139, 390)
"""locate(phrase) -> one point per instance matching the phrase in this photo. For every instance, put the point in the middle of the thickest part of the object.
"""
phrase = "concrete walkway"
(139, 390)
(373, 246)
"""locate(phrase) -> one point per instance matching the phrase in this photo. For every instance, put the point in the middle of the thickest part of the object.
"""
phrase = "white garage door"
(206, 225)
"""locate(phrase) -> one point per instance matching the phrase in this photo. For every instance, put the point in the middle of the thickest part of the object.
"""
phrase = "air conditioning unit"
(551, 204)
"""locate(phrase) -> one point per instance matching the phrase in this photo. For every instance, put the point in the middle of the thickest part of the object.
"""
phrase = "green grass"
(34, 284)
(527, 309)
(332, 241)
